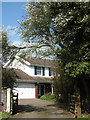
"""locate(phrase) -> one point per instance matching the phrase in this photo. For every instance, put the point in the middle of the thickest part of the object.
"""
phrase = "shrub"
(48, 96)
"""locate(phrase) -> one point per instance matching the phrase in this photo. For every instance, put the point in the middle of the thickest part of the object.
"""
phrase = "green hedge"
(48, 96)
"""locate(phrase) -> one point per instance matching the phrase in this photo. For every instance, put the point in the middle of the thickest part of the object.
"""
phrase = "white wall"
(46, 71)
(22, 66)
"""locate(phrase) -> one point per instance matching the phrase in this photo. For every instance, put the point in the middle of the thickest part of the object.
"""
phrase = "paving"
(36, 108)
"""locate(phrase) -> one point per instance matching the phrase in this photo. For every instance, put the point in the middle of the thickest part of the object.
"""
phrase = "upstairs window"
(35, 70)
(38, 70)
(49, 72)
(43, 71)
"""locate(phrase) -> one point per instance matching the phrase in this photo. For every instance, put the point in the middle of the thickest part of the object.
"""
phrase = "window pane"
(38, 70)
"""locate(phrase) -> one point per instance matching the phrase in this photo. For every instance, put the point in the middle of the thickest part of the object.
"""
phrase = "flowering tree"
(62, 27)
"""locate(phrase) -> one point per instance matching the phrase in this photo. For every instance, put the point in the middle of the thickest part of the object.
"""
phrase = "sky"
(11, 12)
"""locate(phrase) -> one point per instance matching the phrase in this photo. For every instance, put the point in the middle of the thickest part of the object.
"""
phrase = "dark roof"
(23, 77)
(42, 62)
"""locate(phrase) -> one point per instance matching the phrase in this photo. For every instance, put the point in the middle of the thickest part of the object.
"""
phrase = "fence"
(14, 103)
(9, 101)
(72, 104)
(75, 105)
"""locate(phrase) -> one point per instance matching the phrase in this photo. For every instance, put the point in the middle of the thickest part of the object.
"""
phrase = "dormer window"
(38, 70)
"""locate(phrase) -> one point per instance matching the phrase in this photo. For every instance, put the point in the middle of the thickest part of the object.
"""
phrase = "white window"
(38, 70)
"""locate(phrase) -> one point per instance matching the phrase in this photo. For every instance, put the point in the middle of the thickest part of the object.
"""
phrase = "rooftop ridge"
(40, 61)
(35, 58)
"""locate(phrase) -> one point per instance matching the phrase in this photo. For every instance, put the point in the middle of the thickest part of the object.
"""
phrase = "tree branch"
(33, 46)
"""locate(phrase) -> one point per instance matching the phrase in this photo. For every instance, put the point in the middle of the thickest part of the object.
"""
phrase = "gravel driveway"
(36, 108)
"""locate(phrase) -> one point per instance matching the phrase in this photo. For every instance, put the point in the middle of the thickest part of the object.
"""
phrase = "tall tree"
(7, 51)
(56, 25)
(8, 75)
(8, 78)
(64, 29)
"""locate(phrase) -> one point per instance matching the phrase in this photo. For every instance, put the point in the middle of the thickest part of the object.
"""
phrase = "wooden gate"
(75, 105)
(14, 103)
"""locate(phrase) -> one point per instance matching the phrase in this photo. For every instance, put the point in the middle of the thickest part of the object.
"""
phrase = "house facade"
(34, 76)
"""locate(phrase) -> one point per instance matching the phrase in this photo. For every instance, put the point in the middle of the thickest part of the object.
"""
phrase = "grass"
(49, 97)
(4, 116)
(84, 117)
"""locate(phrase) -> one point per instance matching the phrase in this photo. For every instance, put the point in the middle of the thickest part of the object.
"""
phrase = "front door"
(42, 90)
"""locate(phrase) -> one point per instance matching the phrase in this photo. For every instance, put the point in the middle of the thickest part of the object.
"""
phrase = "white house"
(34, 76)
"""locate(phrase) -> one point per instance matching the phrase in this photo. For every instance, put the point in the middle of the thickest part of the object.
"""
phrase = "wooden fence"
(9, 101)
(72, 104)
(75, 105)
(14, 103)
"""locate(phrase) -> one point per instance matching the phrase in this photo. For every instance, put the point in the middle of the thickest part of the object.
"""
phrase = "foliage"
(84, 117)
(63, 28)
(77, 67)
(63, 86)
(4, 116)
(56, 25)
(48, 96)
(5, 48)
(7, 51)
(8, 77)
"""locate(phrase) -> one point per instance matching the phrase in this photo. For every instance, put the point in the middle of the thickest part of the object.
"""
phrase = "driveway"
(36, 108)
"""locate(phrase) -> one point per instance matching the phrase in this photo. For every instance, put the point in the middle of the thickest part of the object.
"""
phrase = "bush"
(48, 96)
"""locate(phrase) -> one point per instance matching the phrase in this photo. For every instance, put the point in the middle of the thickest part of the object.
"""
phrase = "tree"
(8, 75)
(8, 78)
(7, 51)
(56, 25)
(64, 29)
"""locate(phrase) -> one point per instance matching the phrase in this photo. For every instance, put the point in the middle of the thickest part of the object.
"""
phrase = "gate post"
(11, 104)
(8, 99)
